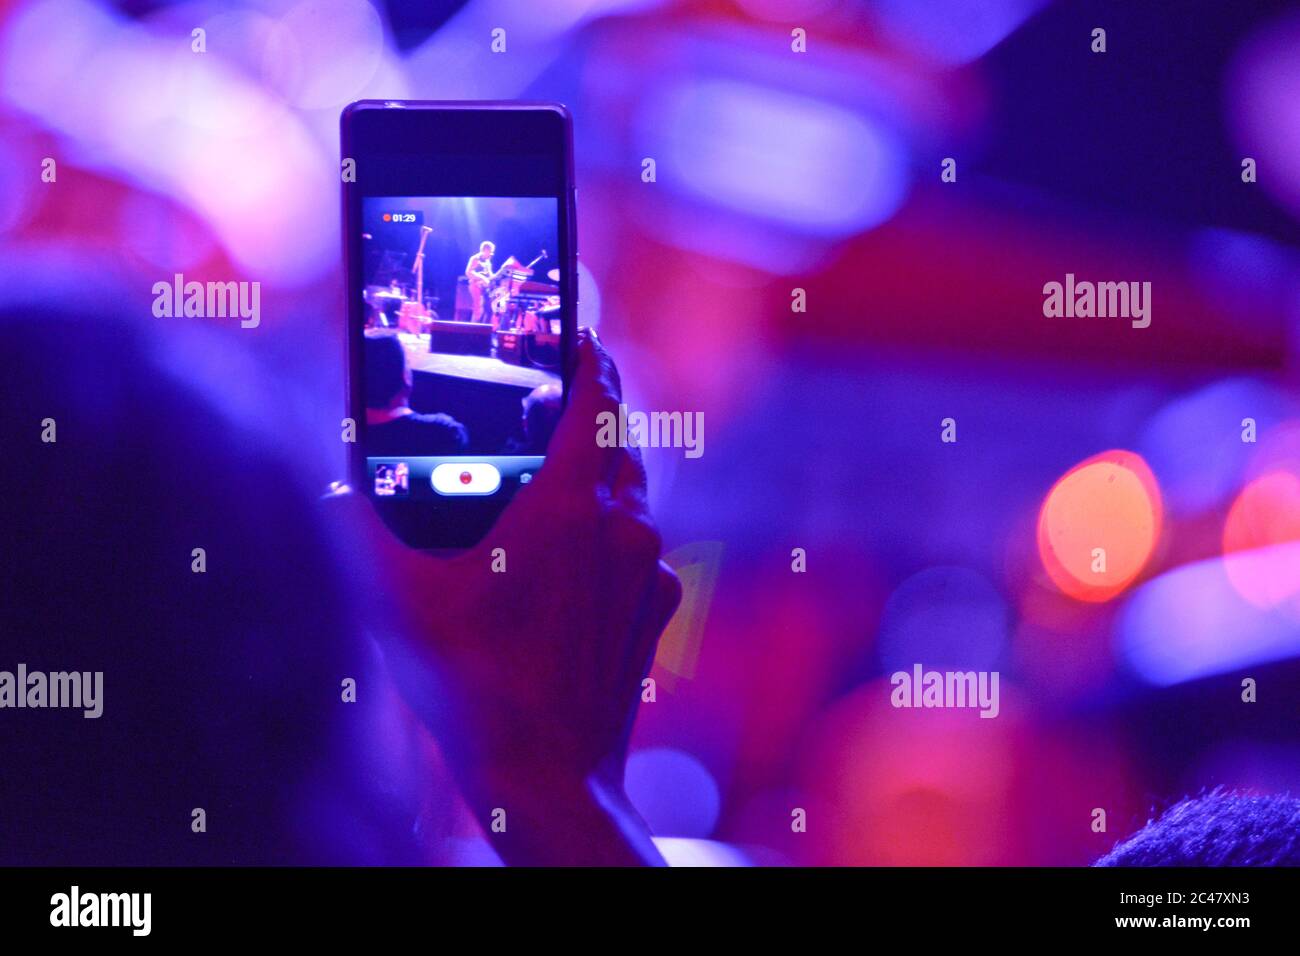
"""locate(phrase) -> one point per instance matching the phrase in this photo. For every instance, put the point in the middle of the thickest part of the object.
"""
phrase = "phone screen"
(462, 309)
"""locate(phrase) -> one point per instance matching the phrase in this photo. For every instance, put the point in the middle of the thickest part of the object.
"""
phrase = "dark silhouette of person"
(273, 664)
(541, 413)
(393, 428)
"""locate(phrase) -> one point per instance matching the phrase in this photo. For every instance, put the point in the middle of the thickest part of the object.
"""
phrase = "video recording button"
(465, 478)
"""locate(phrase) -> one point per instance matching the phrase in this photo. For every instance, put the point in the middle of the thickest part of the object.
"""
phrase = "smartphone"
(460, 240)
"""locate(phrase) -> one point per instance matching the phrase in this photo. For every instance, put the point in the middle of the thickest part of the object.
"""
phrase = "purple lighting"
(1192, 623)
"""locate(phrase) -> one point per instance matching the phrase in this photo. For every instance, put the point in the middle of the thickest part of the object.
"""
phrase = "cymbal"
(553, 275)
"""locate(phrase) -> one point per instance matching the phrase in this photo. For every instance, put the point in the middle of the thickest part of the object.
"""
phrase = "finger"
(629, 486)
(629, 475)
(609, 367)
(574, 455)
(662, 598)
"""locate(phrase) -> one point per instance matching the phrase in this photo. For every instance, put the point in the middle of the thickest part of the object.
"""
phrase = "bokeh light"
(952, 31)
(1194, 443)
(685, 852)
(1262, 89)
(805, 164)
(1264, 514)
(1099, 525)
(316, 69)
(1191, 622)
(947, 618)
(910, 786)
(674, 793)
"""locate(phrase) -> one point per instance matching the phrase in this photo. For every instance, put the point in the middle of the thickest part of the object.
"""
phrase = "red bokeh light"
(1099, 525)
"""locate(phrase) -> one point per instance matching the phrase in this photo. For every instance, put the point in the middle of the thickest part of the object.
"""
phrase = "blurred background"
(817, 171)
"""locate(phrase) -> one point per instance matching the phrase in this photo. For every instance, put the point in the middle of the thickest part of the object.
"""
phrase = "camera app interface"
(461, 368)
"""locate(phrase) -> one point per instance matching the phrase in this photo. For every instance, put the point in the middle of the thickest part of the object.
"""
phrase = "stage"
(478, 368)
(482, 393)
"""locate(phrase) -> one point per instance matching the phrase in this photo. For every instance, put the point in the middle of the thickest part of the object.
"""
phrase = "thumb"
(574, 456)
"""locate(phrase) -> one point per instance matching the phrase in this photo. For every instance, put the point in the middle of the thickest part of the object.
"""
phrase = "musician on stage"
(480, 275)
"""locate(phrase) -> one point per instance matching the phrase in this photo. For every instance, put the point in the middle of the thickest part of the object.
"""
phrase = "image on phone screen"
(461, 359)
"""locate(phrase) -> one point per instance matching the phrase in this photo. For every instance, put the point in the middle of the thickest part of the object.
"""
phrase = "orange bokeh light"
(1266, 513)
(1099, 525)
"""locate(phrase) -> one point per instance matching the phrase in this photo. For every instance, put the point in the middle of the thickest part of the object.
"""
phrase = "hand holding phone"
(459, 233)
(531, 678)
